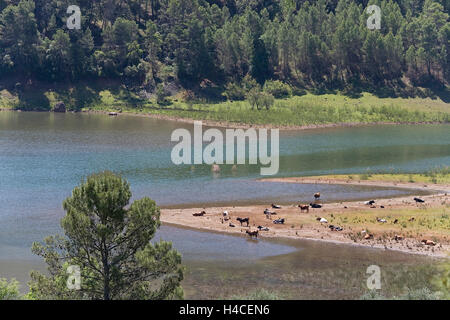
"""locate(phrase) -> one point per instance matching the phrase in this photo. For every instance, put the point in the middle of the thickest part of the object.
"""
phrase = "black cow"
(242, 220)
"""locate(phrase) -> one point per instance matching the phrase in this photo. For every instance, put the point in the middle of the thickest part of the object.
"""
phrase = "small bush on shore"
(161, 94)
(234, 92)
(260, 99)
(278, 89)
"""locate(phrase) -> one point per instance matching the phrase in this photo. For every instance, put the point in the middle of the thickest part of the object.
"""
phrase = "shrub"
(278, 89)
(252, 98)
(9, 290)
(266, 100)
(188, 96)
(248, 83)
(161, 94)
(260, 99)
(298, 92)
(234, 91)
(364, 176)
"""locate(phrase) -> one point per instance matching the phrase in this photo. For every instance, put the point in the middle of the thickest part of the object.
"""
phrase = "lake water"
(44, 155)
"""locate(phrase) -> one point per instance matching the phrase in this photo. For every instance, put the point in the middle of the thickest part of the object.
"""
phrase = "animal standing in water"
(252, 233)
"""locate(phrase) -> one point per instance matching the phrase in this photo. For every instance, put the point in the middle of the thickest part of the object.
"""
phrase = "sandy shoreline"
(236, 125)
(302, 225)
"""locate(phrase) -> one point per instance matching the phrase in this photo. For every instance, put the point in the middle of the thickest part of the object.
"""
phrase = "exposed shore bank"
(242, 125)
(410, 221)
(297, 112)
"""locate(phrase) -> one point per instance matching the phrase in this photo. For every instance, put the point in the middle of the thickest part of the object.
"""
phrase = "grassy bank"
(303, 110)
(433, 176)
(402, 216)
(432, 223)
(412, 223)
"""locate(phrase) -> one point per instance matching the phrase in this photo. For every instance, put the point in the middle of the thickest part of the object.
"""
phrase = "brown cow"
(199, 214)
(303, 207)
(428, 242)
(242, 220)
(317, 195)
(252, 233)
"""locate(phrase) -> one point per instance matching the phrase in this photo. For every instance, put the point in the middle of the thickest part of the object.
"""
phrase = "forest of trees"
(225, 45)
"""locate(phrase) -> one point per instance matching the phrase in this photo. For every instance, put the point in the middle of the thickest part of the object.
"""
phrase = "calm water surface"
(44, 155)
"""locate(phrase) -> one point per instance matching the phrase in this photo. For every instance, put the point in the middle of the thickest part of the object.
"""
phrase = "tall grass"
(303, 110)
(438, 171)
(295, 112)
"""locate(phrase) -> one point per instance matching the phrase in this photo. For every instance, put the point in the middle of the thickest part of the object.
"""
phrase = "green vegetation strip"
(303, 110)
(439, 175)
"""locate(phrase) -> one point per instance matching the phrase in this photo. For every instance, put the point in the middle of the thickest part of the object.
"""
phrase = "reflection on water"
(219, 266)
(316, 270)
(207, 246)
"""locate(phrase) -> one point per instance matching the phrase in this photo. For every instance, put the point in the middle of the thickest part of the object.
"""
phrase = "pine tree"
(109, 241)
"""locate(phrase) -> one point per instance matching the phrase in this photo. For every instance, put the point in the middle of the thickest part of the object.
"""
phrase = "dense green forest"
(224, 48)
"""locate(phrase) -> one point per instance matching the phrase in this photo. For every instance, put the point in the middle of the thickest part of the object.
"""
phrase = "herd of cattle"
(268, 213)
(305, 207)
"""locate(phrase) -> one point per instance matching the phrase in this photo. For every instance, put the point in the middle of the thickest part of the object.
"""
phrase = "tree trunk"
(106, 271)
(106, 289)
